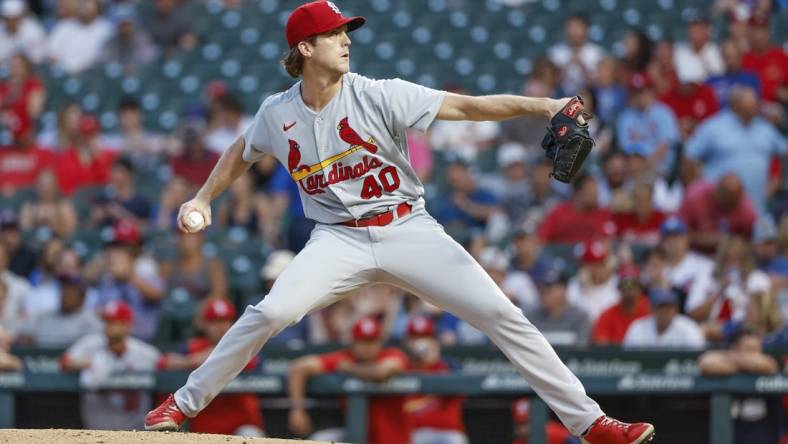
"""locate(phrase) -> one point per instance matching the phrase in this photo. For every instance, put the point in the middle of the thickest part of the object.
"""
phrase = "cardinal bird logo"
(300, 172)
(294, 156)
(349, 135)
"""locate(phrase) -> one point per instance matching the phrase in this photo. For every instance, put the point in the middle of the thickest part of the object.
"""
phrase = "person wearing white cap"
(20, 32)
(512, 187)
(274, 265)
(517, 285)
(75, 45)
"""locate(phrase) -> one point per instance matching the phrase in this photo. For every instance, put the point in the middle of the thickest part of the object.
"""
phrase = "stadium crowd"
(675, 236)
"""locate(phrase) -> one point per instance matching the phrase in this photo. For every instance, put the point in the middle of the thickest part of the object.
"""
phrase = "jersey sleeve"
(257, 140)
(396, 355)
(330, 361)
(83, 349)
(410, 105)
(149, 357)
(632, 336)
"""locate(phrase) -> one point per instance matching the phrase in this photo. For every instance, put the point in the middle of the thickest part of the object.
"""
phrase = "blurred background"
(674, 239)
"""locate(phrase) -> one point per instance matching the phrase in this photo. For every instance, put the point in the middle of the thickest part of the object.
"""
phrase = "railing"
(358, 392)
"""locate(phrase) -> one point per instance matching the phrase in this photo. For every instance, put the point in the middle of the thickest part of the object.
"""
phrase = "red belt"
(380, 220)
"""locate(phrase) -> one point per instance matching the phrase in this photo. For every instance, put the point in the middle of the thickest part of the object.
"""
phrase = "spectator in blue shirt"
(610, 94)
(465, 204)
(733, 75)
(123, 272)
(647, 127)
(287, 200)
(737, 140)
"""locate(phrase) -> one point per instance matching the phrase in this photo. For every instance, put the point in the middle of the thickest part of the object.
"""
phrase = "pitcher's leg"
(331, 265)
(421, 257)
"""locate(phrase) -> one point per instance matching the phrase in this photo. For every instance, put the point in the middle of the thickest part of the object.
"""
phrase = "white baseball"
(195, 221)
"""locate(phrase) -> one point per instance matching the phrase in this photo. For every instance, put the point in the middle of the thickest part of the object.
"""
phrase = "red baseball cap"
(594, 251)
(366, 329)
(628, 271)
(639, 81)
(521, 410)
(89, 125)
(20, 125)
(315, 18)
(125, 232)
(218, 309)
(421, 326)
(118, 311)
(216, 89)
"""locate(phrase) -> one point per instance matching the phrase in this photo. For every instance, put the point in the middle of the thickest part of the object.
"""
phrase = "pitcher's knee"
(277, 316)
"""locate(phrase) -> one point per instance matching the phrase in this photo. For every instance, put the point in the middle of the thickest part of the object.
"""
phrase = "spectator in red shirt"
(366, 359)
(641, 224)
(232, 414)
(87, 163)
(770, 62)
(22, 162)
(692, 101)
(579, 219)
(612, 325)
(22, 95)
(194, 163)
(714, 210)
(521, 415)
(432, 419)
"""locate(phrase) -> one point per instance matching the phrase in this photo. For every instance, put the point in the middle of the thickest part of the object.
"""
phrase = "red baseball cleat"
(166, 417)
(606, 430)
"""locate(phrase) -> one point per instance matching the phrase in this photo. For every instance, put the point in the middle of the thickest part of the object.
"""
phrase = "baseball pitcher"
(341, 137)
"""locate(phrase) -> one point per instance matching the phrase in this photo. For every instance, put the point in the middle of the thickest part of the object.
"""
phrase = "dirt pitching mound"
(59, 436)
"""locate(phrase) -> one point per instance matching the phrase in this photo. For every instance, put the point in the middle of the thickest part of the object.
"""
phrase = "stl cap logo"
(598, 249)
(334, 7)
(220, 308)
(367, 327)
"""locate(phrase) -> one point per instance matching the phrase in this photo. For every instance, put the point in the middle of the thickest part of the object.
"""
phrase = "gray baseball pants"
(416, 254)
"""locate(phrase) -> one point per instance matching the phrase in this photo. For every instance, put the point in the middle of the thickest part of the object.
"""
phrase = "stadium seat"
(176, 319)
(84, 197)
(18, 198)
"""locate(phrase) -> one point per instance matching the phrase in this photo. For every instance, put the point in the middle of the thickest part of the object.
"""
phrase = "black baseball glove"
(567, 142)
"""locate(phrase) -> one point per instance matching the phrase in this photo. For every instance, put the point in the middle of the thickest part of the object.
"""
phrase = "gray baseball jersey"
(350, 160)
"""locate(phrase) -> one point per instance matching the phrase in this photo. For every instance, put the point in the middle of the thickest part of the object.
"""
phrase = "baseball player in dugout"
(341, 136)
(521, 419)
(230, 414)
(366, 359)
(431, 419)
